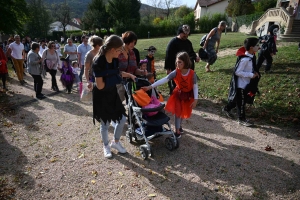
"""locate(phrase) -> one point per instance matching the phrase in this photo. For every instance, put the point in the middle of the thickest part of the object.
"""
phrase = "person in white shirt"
(70, 50)
(243, 73)
(16, 52)
(43, 47)
(82, 49)
(57, 47)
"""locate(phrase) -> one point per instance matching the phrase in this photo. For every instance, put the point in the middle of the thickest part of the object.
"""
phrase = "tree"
(39, 19)
(167, 5)
(183, 11)
(96, 16)
(239, 7)
(156, 4)
(261, 6)
(13, 16)
(62, 13)
(125, 12)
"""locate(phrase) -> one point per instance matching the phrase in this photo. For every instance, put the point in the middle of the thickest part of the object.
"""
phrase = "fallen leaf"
(59, 124)
(121, 173)
(94, 173)
(152, 195)
(93, 181)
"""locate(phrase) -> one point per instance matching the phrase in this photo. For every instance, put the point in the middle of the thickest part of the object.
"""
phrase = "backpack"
(203, 39)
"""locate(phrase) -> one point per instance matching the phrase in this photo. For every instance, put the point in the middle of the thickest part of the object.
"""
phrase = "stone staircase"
(294, 36)
(283, 19)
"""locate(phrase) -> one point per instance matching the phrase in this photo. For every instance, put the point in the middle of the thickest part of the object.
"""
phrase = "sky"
(189, 3)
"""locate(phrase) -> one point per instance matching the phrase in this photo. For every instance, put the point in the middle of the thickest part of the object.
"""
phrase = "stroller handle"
(160, 107)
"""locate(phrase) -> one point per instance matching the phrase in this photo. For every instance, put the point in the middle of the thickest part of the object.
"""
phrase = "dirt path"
(50, 149)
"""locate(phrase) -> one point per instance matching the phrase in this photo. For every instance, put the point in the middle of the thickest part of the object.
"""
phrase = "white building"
(74, 25)
(204, 7)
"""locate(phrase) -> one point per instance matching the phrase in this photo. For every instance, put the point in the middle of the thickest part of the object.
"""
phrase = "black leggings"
(53, 77)
(240, 102)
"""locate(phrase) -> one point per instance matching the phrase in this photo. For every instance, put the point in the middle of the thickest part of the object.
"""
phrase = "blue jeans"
(119, 125)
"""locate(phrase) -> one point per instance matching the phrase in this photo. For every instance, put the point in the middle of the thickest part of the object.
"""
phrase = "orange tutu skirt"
(180, 108)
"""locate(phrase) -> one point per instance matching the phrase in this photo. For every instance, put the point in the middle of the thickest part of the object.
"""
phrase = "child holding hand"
(185, 96)
(67, 76)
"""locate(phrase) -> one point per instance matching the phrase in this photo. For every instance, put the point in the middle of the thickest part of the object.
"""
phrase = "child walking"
(243, 73)
(150, 58)
(185, 95)
(107, 105)
(76, 69)
(67, 76)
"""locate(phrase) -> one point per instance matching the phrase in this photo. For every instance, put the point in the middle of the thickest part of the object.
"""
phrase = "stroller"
(144, 128)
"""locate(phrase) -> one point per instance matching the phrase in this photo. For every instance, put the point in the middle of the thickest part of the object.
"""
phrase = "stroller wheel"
(129, 136)
(170, 144)
(177, 143)
(144, 152)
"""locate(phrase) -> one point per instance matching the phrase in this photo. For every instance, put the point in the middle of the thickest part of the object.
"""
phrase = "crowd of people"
(101, 64)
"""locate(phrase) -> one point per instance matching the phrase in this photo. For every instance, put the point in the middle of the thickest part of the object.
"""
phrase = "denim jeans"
(119, 125)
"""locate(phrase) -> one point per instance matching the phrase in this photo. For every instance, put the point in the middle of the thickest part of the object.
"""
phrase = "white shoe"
(118, 146)
(107, 152)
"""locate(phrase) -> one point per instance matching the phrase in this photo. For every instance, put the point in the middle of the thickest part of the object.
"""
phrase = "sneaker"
(177, 135)
(227, 113)
(40, 96)
(181, 130)
(118, 146)
(245, 122)
(107, 152)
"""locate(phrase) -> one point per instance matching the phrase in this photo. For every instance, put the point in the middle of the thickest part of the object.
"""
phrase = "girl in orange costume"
(185, 96)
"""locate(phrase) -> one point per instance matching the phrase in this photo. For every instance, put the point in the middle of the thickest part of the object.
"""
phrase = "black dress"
(107, 105)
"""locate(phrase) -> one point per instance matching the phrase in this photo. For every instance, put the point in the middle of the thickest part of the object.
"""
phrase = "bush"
(248, 19)
(209, 21)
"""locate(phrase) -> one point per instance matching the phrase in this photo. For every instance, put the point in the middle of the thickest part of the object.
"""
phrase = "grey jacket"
(33, 65)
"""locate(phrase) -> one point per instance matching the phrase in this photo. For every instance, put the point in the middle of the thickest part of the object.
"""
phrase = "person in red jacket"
(3, 68)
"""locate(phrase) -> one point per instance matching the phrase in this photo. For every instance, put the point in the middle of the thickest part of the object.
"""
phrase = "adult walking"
(52, 60)
(107, 105)
(16, 52)
(127, 60)
(180, 43)
(95, 42)
(34, 64)
(213, 38)
(70, 50)
(82, 49)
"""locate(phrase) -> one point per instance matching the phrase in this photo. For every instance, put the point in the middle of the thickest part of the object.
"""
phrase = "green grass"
(230, 40)
(279, 101)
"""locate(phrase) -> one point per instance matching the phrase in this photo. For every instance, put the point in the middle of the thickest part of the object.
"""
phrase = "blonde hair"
(95, 40)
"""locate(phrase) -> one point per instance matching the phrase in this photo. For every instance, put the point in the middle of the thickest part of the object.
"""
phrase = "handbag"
(140, 96)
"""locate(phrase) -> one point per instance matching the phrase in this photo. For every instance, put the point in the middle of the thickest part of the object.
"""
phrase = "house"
(72, 26)
(204, 7)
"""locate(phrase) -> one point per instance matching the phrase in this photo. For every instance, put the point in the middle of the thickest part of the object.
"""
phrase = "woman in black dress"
(107, 105)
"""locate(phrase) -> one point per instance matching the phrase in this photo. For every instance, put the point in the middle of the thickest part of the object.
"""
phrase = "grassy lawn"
(279, 101)
(230, 40)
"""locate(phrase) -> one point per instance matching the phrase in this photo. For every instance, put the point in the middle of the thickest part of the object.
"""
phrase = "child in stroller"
(146, 127)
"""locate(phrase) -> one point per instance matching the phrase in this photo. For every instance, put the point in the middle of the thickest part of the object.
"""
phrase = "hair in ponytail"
(112, 41)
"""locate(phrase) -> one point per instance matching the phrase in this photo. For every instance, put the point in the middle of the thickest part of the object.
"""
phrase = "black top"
(175, 46)
(137, 56)
(107, 105)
